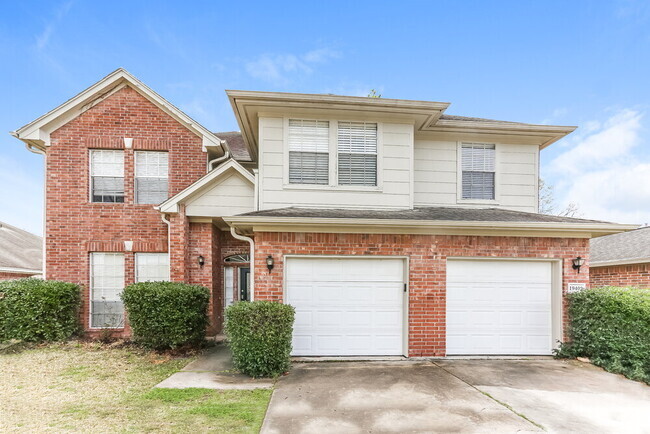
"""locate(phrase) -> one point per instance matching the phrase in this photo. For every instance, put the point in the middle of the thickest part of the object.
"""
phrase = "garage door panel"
(347, 309)
(499, 307)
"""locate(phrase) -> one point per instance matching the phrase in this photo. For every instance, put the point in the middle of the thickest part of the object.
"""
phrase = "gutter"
(251, 242)
(293, 224)
(632, 261)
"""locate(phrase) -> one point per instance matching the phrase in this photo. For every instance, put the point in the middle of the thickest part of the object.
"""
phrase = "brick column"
(179, 246)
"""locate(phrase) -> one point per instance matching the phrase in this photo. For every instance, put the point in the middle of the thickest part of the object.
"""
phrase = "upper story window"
(478, 166)
(151, 177)
(107, 175)
(308, 151)
(357, 153)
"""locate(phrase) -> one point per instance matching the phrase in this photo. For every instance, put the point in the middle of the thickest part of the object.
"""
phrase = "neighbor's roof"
(20, 251)
(423, 213)
(236, 144)
(626, 248)
(429, 220)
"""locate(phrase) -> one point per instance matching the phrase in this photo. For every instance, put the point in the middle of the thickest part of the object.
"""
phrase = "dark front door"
(243, 284)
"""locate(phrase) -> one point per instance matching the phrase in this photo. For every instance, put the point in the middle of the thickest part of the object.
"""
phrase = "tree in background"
(547, 203)
(373, 94)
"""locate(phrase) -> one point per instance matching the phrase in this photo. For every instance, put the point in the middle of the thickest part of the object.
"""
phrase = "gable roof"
(236, 144)
(203, 183)
(626, 248)
(37, 132)
(20, 251)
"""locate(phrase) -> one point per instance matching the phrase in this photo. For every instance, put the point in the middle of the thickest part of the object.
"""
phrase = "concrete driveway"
(456, 396)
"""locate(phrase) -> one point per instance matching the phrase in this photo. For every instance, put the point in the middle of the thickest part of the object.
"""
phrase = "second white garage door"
(499, 307)
(346, 306)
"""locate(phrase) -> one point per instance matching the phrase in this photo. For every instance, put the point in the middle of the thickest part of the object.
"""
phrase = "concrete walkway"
(504, 396)
(213, 370)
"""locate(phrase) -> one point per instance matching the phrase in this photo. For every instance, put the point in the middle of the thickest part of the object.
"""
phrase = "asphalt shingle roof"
(472, 119)
(19, 248)
(424, 213)
(624, 247)
(236, 144)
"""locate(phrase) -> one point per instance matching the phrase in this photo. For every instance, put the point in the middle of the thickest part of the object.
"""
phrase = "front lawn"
(92, 387)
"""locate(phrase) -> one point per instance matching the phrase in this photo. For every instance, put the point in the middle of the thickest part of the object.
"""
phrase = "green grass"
(91, 387)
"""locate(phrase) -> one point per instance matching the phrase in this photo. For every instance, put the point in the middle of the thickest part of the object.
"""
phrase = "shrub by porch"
(611, 326)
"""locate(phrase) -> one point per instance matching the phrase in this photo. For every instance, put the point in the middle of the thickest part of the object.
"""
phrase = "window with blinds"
(308, 151)
(106, 284)
(151, 175)
(151, 267)
(478, 166)
(107, 175)
(357, 153)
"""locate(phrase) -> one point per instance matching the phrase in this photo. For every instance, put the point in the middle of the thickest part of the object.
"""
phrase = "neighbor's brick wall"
(621, 275)
(75, 226)
(11, 276)
(427, 274)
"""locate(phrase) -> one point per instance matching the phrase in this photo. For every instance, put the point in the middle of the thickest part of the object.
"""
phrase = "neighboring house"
(621, 259)
(21, 253)
(392, 227)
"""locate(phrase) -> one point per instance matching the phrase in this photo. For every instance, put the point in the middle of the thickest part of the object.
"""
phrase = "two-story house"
(392, 227)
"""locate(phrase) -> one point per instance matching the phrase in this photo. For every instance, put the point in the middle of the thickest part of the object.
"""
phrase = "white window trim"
(90, 175)
(459, 177)
(91, 289)
(333, 159)
(135, 177)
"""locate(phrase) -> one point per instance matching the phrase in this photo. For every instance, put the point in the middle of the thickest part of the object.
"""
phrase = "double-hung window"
(106, 284)
(151, 267)
(357, 153)
(478, 167)
(308, 151)
(107, 175)
(151, 175)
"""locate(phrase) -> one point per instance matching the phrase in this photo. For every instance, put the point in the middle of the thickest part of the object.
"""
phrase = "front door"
(243, 284)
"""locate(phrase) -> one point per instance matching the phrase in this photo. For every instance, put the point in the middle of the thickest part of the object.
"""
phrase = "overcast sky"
(583, 63)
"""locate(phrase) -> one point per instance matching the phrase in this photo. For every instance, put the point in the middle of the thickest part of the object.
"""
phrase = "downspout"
(35, 150)
(225, 155)
(235, 235)
(169, 242)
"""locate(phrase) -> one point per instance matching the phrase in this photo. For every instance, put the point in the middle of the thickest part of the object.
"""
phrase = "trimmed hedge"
(259, 334)
(167, 315)
(611, 326)
(36, 310)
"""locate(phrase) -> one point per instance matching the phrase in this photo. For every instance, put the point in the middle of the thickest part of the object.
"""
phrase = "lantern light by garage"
(578, 262)
(201, 260)
(269, 263)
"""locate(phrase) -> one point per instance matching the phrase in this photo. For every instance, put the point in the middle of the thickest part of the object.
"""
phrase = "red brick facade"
(427, 274)
(75, 227)
(621, 275)
(10, 276)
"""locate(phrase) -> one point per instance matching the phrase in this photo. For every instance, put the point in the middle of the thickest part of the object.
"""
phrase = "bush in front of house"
(259, 334)
(611, 326)
(167, 315)
(36, 310)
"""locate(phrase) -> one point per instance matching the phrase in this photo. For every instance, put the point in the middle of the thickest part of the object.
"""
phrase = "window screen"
(106, 284)
(308, 151)
(357, 153)
(478, 166)
(107, 175)
(151, 173)
(151, 267)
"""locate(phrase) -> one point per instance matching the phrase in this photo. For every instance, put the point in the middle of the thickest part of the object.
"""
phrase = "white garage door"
(346, 306)
(499, 307)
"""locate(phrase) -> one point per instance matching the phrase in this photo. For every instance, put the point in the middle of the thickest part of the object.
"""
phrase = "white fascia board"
(38, 131)
(540, 229)
(632, 261)
(171, 204)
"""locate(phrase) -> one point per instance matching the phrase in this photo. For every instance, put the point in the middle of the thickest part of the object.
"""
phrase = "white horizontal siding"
(395, 142)
(231, 196)
(436, 177)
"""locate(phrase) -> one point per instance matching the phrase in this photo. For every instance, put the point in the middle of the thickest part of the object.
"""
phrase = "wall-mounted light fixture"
(201, 260)
(269, 263)
(578, 262)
